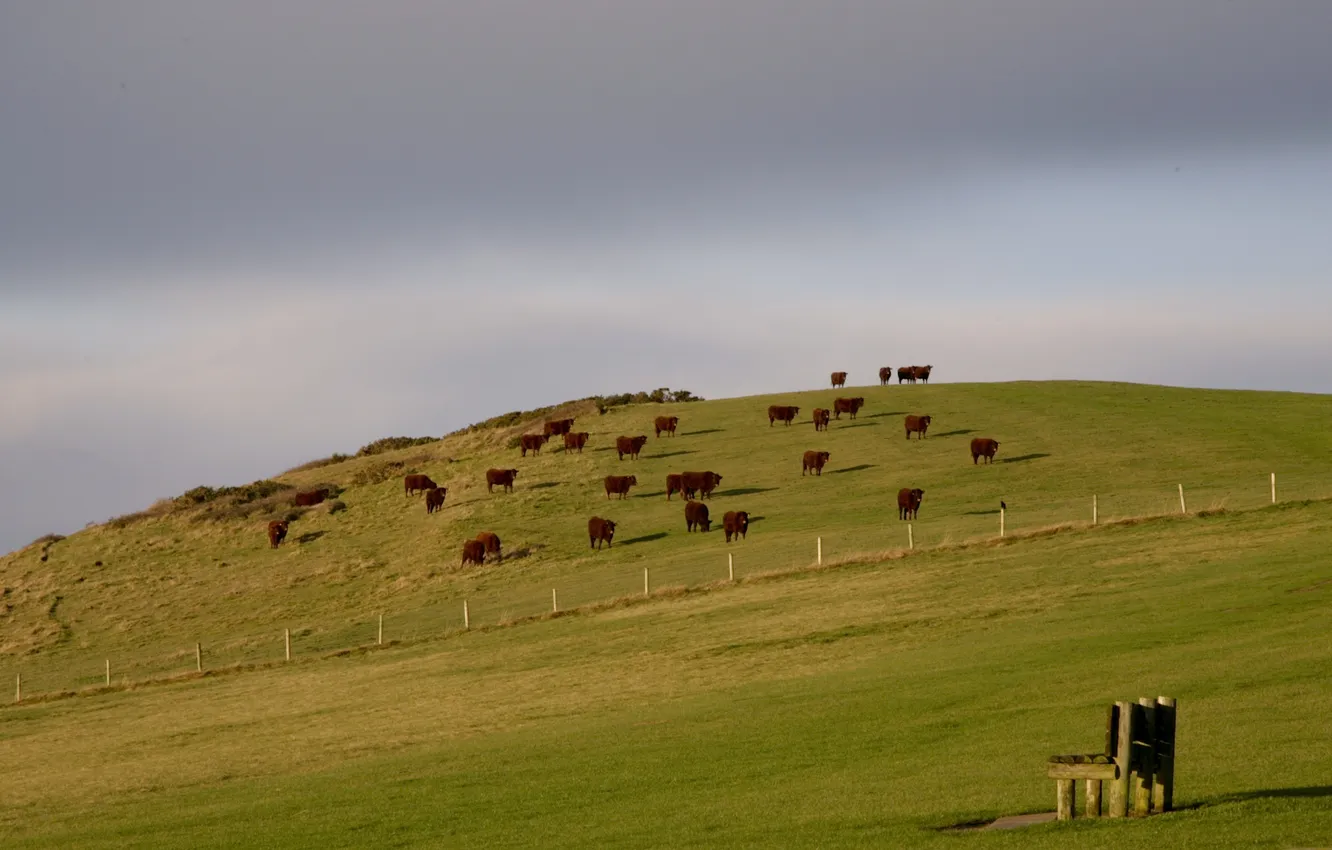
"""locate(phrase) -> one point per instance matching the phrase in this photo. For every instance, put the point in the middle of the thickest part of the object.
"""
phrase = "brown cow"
(983, 447)
(923, 373)
(821, 418)
(575, 441)
(735, 523)
(917, 425)
(500, 476)
(310, 498)
(885, 375)
(411, 484)
(847, 405)
(599, 529)
(673, 485)
(556, 427)
(814, 461)
(630, 446)
(277, 532)
(532, 443)
(492, 543)
(702, 483)
(906, 373)
(435, 499)
(839, 379)
(666, 423)
(908, 503)
(781, 413)
(696, 515)
(474, 551)
(620, 484)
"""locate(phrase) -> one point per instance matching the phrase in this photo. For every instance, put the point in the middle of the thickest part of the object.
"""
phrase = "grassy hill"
(875, 701)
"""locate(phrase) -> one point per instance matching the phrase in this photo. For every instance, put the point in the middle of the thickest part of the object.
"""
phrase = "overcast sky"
(236, 236)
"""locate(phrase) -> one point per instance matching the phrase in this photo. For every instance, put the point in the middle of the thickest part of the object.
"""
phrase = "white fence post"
(554, 601)
(730, 566)
(645, 581)
(198, 657)
(819, 555)
(911, 538)
(467, 619)
(380, 640)
(1094, 517)
(18, 687)
(108, 672)
(1001, 522)
(1274, 488)
(286, 638)
(1182, 509)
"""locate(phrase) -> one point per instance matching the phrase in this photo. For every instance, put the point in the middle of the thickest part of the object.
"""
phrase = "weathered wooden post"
(1119, 786)
(286, 637)
(198, 658)
(1144, 756)
(1182, 508)
(1094, 511)
(1274, 488)
(1093, 798)
(1001, 522)
(730, 566)
(911, 540)
(108, 672)
(645, 581)
(554, 602)
(18, 687)
(379, 640)
(467, 620)
(1064, 792)
(819, 555)
(1163, 789)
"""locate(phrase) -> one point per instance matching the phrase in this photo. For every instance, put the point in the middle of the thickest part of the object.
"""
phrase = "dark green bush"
(388, 444)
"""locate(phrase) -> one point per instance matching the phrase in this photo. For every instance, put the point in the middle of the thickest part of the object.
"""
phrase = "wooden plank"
(1093, 758)
(1093, 798)
(1144, 756)
(1082, 771)
(1119, 787)
(1064, 791)
(1111, 729)
(1163, 789)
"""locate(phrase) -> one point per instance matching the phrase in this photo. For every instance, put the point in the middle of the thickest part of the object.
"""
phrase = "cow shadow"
(860, 424)
(1025, 458)
(981, 513)
(671, 454)
(605, 449)
(646, 538)
(310, 537)
(958, 433)
(857, 468)
(523, 552)
(744, 491)
(544, 485)
(882, 415)
(703, 431)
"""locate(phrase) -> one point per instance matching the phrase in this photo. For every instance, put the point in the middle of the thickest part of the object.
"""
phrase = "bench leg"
(1093, 798)
(1064, 791)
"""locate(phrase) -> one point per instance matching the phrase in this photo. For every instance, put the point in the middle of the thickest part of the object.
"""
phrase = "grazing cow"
(983, 447)
(500, 476)
(666, 423)
(491, 541)
(532, 443)
(620, 484)
(735, 523)
(673, 485)
(411, 484)
(435, 499)
(702, 483)
(839, 379)
(821, 418)
(814, 461)
(908, 503)
(599, 529)
(885, 375)
(629, 446)
(310, 498)
(781, 413)
(277, 532)
(917, 425)
(923, 373)
(847, 405)
(906, 373)
(556, 427)
(575, 441)
(696, 516)
(474, 551)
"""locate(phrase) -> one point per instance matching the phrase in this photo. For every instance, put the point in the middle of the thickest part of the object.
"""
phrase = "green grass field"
(873, 702)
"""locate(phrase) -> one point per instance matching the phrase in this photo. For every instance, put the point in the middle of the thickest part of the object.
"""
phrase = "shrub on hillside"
(389, 444)
(336, 457)
(337, 506)
(237, 495)
(376, 473)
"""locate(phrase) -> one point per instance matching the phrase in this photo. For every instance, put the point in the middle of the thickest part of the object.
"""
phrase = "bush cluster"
(242, 495)
(336, 457)
(388, 444)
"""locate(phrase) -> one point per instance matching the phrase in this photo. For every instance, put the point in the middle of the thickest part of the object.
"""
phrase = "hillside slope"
(167, 581)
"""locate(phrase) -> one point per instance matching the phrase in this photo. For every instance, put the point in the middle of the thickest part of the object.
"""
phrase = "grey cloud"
(150, 132)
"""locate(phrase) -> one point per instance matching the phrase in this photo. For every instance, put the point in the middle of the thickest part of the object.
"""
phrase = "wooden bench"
(1138, 763)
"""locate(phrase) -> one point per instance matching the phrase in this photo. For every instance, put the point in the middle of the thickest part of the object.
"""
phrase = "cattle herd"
(693, 487)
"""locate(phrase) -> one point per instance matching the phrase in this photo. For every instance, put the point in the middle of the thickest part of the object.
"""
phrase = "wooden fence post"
(1001, 522)
(1093, 798)
(286, 637)
(1163, 789)
(198, 658)
(1064, 792)
(819, 556)
(730, 566)
(1274, 488)
(18, 687)
(1144, 746)
(911, 540)
(645, 582)
(379, 641)
(108, 672)
(1182, 508)
(554, 601)
(1094, 511)
(1119, 787)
